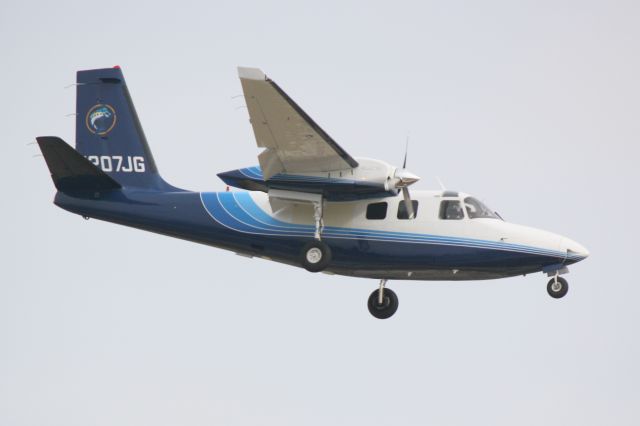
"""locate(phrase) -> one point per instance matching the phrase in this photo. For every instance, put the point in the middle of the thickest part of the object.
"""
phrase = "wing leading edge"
(293, 142)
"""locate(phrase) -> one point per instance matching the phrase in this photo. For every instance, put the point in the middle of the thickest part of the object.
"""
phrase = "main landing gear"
(316, 255)
(383, 303)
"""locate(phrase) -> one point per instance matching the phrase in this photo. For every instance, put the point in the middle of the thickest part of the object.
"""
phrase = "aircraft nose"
(574, 249)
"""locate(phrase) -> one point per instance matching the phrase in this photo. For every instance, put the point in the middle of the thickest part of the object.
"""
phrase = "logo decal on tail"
(101, 119)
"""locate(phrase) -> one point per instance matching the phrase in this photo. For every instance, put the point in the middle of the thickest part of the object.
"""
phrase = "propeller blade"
(408, 203)
(406, 150)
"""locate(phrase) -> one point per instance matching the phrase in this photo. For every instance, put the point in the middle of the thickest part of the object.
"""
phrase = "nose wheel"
(383, 303)
(557, 287)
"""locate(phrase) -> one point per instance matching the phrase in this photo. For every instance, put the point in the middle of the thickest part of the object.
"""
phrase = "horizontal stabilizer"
(70, 171)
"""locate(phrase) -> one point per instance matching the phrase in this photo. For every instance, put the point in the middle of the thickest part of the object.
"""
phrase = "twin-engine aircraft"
(309, 203)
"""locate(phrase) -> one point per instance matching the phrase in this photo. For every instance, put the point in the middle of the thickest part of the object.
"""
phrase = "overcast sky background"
(532, 106)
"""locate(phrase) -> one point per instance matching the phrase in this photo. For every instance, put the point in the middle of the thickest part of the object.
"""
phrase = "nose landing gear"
(557, 287)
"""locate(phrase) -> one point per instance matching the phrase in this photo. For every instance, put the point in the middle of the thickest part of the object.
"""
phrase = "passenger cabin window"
(451, 210)
(475, 209)
(377, 211)
(402, 210)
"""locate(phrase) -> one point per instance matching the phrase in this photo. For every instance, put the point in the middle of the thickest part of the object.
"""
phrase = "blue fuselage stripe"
(238, 211)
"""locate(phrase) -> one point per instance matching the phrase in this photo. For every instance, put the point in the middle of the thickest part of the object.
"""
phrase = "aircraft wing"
(293, 142)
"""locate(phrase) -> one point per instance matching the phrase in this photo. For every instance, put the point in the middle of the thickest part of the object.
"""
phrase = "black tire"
(389, 305)
(557, 291)
(316, 256)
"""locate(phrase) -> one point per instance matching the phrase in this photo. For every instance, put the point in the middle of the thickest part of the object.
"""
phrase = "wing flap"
(270, 162)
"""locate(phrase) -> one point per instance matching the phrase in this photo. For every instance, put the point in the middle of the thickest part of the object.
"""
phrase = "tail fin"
(70, 171)
(108, 132)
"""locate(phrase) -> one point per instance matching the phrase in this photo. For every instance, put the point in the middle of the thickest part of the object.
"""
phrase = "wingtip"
(251, 73)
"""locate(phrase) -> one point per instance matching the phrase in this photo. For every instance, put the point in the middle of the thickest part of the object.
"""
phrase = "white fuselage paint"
(352, 214)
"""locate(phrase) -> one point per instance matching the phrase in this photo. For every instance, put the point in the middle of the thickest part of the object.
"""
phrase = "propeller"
(404, 178)
(406, 151)
(408, 203)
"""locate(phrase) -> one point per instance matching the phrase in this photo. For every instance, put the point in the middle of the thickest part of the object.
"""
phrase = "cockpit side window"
(476, 209)
(377, 211)
(451, 210)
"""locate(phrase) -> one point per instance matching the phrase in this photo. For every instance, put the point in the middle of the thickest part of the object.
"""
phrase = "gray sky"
(531, 106)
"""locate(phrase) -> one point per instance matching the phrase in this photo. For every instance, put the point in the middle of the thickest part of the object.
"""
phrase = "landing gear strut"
(383, 303)
(316, 255)
(557, 287)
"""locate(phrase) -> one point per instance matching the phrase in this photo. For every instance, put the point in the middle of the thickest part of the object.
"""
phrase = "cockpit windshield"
(475, 209)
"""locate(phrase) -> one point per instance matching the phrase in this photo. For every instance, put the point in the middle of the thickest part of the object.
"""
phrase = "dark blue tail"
(108, 132)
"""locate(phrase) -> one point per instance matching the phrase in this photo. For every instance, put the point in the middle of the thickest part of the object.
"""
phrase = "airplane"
(308, 204)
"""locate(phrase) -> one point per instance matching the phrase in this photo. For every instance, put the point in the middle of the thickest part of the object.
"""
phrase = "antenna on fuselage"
(441, 184)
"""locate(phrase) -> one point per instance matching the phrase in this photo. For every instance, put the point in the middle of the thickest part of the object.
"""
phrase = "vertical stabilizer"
(108, 131)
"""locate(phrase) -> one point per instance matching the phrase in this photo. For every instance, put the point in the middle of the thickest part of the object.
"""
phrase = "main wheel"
(557, 289)
(388, 307)
(316, 256)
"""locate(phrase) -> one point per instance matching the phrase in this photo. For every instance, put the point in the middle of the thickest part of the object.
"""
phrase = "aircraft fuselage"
(425, 248)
